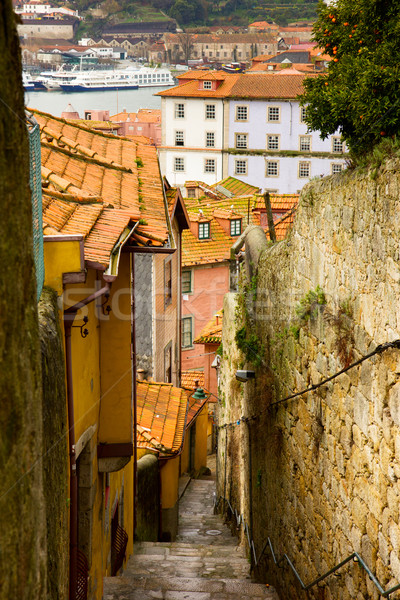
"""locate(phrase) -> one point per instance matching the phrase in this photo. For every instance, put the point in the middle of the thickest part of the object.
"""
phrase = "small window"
(305, 143)
(241, 113)
(337, 145)
(236, 227)
(336, 168)
(209, 165)
(240, 167)
(241, 140)
(167, 281)
(210, 139)
(168, 363)
(272, 142)
(179, 164)
(303, 114)
(191, 193)
(274, 114)
(210, 111)
(204, 231)
(272, 168)
(88, 116)
(207, 85)
(186, 282)
(179, 141)
(187, 333)
(304, 169)
(179, 111)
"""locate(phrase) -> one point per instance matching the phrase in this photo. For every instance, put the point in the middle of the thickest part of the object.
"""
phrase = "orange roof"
(235, 187)
(245, 85)
(192, 379)
(97, 184)
(212, 332)
(163, 414)
(279, 202)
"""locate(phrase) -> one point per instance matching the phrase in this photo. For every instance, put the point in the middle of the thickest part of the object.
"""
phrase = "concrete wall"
(324, 466)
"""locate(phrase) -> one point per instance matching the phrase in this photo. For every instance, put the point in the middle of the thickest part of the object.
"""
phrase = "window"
(179, 111)
(272, 168)
(191, 193)
(167, 281)
(272, 142)
(336, 168)
(304, 169)
(337, 144)
(204, 231)
(274, 114)
(88, 116)
(240, 167)
(168, 363)
(210, 139)
(305, 143)
(302, 114)
(236, 227)
(241, 140)
(187, 332)
(210, 111)
(179, 141)
(209, 165)
(241, 113)
(186, 282)
(206, 85)
(179, 164)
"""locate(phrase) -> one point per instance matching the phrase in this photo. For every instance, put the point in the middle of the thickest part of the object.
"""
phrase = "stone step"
(180, 588)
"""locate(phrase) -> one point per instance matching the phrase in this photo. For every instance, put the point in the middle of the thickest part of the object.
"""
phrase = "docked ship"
(129, 78)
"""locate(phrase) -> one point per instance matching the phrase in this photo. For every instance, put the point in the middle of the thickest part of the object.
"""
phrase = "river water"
(114, 101)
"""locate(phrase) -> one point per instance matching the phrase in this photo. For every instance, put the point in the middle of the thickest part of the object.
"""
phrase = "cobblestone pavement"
(204, 563)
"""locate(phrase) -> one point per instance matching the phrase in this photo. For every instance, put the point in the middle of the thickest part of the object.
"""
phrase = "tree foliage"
(360, 94)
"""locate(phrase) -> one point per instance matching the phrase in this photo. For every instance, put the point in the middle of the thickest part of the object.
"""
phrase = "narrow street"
(204, 563)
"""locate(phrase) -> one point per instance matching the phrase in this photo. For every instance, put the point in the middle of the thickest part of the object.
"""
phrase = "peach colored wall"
(150, 130)
(210, 284)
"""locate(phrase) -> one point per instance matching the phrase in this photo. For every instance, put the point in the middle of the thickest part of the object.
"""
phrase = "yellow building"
(104, 203)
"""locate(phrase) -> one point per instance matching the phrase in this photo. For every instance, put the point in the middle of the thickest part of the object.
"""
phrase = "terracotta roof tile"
(190, 89)
(212, 332)
(189, 379)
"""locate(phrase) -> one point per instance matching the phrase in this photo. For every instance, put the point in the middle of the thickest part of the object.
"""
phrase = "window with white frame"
(336, 168)
(179, 164)
(241, 113)
(236, 227)
(210, 111)
(204, 231)
(274, 114)
(207, 85)
(272, 168)
(272, 142)
(186, 282)
(304, 169)
(303, 114)
(305, 143)
(179, 110)
(240, 167)
(179, 139)
(241, 140)
(210, 139)
(209, 165)
(337, 145)
(187, 332)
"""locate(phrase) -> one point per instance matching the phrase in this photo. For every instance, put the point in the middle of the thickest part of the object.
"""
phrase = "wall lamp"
(245, 375)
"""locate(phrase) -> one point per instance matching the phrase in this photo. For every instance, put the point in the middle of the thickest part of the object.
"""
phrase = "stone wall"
(319, 474)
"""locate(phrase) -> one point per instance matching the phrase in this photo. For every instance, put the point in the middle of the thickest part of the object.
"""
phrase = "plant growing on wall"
(246, 338)
(342, 323)
(308, 307)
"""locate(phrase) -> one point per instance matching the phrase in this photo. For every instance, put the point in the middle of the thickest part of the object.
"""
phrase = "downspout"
(69, 316)
(134, 391)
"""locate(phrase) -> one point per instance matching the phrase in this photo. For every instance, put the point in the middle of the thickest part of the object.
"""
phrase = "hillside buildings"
(249, 126)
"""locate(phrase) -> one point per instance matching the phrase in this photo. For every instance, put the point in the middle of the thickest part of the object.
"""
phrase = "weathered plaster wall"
(325, 466)
(55, 450)
(148, 505)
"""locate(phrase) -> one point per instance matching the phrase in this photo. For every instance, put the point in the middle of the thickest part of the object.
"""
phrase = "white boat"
(52, 80)
(130, 78)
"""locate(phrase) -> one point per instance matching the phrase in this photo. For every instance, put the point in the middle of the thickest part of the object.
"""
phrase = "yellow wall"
(60, 257)
(200, 459)
(116, 411)
(169, 482)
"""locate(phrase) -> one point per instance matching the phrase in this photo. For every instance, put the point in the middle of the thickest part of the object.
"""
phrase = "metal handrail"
(355, 557)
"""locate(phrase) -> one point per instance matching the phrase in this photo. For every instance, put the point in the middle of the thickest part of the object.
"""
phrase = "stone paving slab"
(204, 563)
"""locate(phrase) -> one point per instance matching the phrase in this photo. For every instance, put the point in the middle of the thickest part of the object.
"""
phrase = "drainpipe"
(69, 316)
(134, 391)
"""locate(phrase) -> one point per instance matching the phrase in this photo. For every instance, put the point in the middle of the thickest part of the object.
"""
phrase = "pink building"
(146, 122)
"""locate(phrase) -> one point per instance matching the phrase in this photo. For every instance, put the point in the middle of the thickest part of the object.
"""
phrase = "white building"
(249, 126)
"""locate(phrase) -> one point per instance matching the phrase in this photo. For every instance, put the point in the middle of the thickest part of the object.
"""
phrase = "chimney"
(140, 374)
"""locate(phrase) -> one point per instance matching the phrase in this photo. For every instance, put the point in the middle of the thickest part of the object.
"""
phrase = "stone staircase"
(204, 563)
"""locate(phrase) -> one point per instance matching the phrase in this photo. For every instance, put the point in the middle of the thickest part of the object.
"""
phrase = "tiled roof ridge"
(150, 438)
(63, 184)
(78, 150)
(73, 198)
